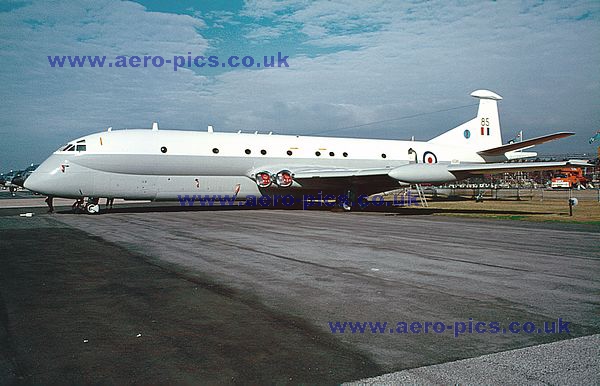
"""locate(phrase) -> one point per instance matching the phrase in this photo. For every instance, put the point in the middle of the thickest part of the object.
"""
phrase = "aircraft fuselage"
(166, 164)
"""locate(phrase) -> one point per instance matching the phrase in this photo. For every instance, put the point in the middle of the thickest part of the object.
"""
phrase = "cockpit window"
(79, 146)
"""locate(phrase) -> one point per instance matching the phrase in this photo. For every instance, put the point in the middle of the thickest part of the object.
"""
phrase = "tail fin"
(479, 133)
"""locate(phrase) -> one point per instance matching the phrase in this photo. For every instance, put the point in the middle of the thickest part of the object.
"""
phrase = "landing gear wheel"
(92, 208)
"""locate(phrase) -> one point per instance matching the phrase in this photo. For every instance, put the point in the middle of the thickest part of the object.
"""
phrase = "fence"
(540, 194)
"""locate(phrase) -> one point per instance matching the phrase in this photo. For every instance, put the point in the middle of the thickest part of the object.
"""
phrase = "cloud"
(261, 9)
(393, 60)
(54, 104)
(261, 33)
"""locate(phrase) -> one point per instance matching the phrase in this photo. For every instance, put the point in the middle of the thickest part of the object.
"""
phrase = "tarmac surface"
(568, 362)
(246, 296)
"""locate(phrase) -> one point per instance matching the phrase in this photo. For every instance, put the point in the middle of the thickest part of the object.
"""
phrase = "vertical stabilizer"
(482, 132)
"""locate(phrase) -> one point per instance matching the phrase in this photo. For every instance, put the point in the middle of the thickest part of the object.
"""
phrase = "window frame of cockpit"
(78, 146)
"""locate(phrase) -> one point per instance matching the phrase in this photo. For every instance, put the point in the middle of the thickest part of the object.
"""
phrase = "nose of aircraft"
(40, 180)
(34, 182)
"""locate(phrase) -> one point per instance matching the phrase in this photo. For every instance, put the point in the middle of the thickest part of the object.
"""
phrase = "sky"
(408, 65)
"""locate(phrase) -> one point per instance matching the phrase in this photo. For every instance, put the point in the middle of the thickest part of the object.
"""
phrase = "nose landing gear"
(50, 202)
(89, 207)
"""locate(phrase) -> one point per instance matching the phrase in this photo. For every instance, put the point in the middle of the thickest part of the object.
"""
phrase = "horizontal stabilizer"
(500, 150)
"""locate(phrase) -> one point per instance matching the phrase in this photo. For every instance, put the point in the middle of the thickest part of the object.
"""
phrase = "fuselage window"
(247, 151)
(80, 148)
(383, 155)
(289, 152)
(163, 149)
(345, 154)
(318, 153)
(263, 152)
(331, 154)
(216, 151)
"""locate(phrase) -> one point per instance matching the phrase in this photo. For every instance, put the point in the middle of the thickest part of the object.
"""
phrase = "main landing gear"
(350, 201)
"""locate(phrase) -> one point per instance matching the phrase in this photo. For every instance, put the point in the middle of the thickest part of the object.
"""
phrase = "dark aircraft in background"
(15, 179)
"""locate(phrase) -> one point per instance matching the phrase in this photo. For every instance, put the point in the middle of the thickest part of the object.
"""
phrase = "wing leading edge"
(310, 173)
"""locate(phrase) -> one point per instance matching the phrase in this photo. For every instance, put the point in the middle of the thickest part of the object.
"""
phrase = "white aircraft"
(163, 165)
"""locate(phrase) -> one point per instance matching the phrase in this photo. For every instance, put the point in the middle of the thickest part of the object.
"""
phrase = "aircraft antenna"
(392, 119)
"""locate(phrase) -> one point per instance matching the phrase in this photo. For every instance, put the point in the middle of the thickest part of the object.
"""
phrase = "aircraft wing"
(312, 177)
(500, 150)
(381, 179)
(420, 172)
(365, 179)
(493, 168)
(310, 173)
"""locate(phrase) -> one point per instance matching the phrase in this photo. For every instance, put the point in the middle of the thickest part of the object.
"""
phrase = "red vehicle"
(568, 178)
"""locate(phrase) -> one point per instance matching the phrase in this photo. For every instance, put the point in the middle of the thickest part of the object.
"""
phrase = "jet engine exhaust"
(263, 179)
(284, 179)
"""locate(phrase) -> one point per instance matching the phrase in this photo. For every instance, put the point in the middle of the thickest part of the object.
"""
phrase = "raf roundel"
(429, 158)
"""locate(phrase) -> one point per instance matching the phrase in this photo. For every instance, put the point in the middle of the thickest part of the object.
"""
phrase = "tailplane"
(480, 133)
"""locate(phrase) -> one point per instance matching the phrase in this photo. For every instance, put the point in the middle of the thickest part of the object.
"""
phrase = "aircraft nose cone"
(43, 179)
(35, 183)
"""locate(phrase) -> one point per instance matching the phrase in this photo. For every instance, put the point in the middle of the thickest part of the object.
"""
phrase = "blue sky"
(351, 63)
